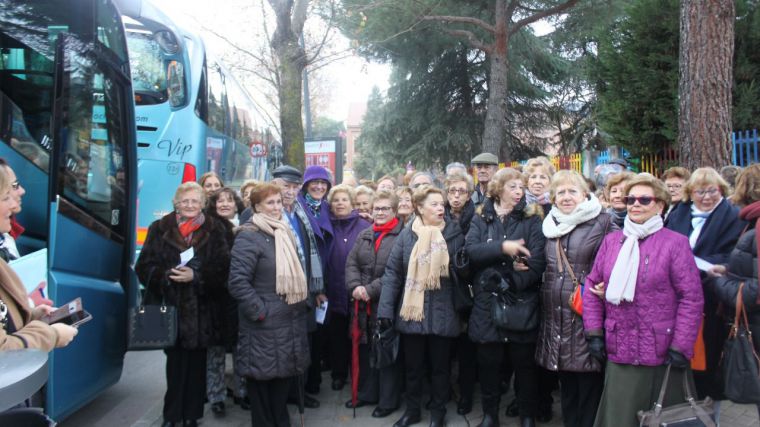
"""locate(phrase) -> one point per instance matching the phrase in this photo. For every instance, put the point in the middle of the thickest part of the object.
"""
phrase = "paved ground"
(137, 401)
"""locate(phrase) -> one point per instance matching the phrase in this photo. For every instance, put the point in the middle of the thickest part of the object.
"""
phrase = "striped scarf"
(316, 278)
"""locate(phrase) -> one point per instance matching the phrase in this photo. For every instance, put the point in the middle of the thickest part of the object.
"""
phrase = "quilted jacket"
(666, 310)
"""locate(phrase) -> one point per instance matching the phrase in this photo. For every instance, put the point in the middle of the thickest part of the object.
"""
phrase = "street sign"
(258, 149)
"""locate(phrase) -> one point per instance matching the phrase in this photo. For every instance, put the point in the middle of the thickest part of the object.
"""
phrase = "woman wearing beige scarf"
(417, 293)
(267, 279)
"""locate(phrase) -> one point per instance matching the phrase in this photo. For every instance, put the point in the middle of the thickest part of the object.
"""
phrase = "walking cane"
(301, 398)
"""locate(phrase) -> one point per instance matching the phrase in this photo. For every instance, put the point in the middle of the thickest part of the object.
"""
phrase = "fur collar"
(170, 232)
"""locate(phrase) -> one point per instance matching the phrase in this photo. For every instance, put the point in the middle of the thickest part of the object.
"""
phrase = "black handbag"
(152, 326)
(461, 294)
(692, 413)
(515, 313)
(740, 363)
(385, 346)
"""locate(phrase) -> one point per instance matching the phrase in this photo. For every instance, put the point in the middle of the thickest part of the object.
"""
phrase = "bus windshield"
(155, 78)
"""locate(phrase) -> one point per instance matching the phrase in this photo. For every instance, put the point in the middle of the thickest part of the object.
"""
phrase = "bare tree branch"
(461, 19)
(319, 47)
(541, 15)
(472, 39)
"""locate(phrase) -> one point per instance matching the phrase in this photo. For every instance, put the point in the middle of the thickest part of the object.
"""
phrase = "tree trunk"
(704, 89)
(495, 127)
(291, 61)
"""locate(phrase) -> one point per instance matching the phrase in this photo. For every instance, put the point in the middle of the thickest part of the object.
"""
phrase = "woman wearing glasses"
(364, 268)
(713, 227)
(642, 306)
(187, 288)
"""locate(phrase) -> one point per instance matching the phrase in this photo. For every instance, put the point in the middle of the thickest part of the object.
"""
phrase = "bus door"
(91, 217)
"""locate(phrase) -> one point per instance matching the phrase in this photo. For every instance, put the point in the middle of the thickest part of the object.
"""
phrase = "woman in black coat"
(417, 294)
(189, 289)
(506, 246)
(713, 227)
(269, 284)
(742, 264)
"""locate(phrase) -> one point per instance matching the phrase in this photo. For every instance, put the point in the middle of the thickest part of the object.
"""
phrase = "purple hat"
(316, 172)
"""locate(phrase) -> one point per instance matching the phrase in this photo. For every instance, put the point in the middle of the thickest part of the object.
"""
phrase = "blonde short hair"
(404, 190)
(183, 188)
(617, 179)
(747, 190)
(421, 194)
(702, 177)
(658, 187)
(530, 169)
(207, 175)
(387, 178)
(342, 188)
(540, 161)
(363, 190)
(500, 178)
(458, 177)
(676, 172)
(565, 177)
(387, 195)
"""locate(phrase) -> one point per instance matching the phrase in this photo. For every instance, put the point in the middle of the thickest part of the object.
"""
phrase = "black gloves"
(676, 359)
(596, 348)
(384, 325)
(491, 281)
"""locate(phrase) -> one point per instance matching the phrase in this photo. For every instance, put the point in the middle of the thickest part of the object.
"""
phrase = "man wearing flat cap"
(484, 166)
(289, 179)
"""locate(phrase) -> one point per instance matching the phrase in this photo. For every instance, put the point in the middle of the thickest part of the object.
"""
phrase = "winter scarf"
(622, 285)
(187, 226)
(382, 230)
(751, 213)
(316, 281)
(539, 200)
(557, 224)
(698, 220)
(314, 204)
(428, 262)
(618, 217)
(290, 278)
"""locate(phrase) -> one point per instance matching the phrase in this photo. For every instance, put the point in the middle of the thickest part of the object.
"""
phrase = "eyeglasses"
(459, 191)
(190, 202)
(643, 200)
(674, 186)
(16, 185)
(703, 193)
(382, 209)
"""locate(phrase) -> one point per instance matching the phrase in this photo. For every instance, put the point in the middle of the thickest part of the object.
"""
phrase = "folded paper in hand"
(185, 257)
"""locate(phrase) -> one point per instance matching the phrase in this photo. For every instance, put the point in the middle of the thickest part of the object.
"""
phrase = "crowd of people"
(528, 278)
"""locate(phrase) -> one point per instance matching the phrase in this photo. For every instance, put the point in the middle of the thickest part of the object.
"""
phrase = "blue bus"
(67, 129)
(192, 115)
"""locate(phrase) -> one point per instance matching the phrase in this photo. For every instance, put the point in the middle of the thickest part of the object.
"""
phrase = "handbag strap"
(741, 313)
(688, 393)
(564, 263)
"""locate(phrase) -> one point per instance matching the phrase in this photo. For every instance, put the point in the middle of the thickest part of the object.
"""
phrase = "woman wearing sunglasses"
(642, 307)
(713, 227)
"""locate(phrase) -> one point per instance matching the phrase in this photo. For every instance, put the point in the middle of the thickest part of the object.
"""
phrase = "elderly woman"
(405, 208)
(642, 306)
(539, 177)
(421, 178)
(346, 225)
(245, 191)
(386, 183)
(675, 180)
(712, 226)
(364, 269)
(613, 194)
(20, 325)
(506, 246)
(225, 204)
(188, 288)
(742, 264)
(269, 284)
(460, 208)
(363, 201)
(574, 230)
(210, 182)
(417, 297)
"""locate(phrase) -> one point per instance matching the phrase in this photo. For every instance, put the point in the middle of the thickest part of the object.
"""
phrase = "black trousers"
(580, 395)
(379, 385)
(269, 402)
(314, 374)
(435, 351)
(490, 357)
(185, 384)
(467, 358)
(338, 345)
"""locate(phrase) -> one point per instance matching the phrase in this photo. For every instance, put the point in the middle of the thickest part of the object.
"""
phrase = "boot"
(436, 420)
(527, 422)
(490, 420)
(409, 418)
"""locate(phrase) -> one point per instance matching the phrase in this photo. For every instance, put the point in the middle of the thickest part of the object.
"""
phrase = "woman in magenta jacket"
(642, 307)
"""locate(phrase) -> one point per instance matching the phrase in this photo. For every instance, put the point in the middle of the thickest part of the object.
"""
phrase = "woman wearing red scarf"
(364, 268)
(188, 289)
(743, 264)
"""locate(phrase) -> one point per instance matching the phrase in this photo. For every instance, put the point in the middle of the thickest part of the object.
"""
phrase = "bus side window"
(201, 103)
(217, 116)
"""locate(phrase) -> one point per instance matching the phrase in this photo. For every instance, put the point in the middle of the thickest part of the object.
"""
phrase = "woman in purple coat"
(346, 225)
(642, 307)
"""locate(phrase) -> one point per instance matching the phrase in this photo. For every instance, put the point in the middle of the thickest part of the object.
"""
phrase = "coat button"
(559, 308)
(345, 240)
(559, 337)
(555, 366)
